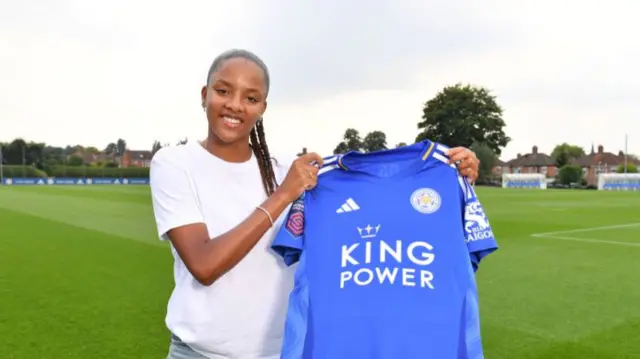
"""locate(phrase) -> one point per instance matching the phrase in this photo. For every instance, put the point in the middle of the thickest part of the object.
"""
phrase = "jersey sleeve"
(478, 232)
(174, 201)
(289, 240)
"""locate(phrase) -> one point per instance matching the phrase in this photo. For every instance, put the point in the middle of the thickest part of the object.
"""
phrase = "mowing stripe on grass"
(558, 235)
(589, 229)
(116, 214)
(589, 240)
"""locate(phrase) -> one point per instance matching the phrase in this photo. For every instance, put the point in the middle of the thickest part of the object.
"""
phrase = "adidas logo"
(349, 206)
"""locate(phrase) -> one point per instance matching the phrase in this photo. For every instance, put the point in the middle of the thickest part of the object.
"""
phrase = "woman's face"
(234, 99)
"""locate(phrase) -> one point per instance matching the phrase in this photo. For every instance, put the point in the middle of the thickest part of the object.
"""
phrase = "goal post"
(524, 180)
(619, 181)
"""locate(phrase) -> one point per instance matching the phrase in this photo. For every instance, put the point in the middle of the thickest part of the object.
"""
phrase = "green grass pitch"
(82, 274)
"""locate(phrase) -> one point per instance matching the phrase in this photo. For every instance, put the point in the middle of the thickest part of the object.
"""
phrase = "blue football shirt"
(387, 245)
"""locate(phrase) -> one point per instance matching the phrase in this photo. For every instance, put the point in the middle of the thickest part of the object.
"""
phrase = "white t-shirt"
(242, 314)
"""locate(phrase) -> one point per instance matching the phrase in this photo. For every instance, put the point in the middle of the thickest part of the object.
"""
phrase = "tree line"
(469, 116)
(564, 155)
(458, 115)
(21, 158)
(43, 156)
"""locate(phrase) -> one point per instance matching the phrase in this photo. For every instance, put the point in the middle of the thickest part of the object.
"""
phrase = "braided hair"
(261, 151)
(257, 139)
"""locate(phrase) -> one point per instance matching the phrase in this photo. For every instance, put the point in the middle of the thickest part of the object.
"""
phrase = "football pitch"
(82, 274)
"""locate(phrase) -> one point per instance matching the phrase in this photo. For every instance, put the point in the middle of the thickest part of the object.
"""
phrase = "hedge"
(93, 172)
(11, 171)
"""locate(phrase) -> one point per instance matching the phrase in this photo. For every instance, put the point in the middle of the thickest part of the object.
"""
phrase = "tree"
(69, 150)
(121, 147)
(375, 141)
(564, 153)
(21, 152)
(461, 115)
(155, 148)
(401, 144)
(75, 160)
(111, 149)
(15, 153)
(487, 159)
(570, 174)
(52, 156)
(631, 168)
(350, 142)
(341, 148)
(34, 154)
(92, 150)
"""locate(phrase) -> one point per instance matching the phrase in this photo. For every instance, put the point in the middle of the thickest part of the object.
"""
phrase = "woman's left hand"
(468, 162)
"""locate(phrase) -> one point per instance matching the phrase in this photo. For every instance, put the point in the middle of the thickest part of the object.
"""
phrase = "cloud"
(74, 72)
(341, 46)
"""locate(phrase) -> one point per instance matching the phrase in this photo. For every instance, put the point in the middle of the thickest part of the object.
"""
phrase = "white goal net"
(524, 180)
(619, 181)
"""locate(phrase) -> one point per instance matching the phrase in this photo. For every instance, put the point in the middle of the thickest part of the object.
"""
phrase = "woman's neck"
(230, 152)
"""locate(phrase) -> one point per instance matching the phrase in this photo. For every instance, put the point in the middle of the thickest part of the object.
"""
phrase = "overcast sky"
(89, 72)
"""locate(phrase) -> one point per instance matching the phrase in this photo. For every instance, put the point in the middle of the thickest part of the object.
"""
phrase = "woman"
(219, 203)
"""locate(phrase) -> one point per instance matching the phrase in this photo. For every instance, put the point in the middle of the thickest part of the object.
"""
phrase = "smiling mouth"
(232, 122)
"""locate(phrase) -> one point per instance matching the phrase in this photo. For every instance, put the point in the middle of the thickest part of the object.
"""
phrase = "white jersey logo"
(476, 224)
(474, 217)
(349, 206)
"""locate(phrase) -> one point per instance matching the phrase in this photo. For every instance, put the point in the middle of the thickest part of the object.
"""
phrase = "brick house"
(534, 162)
(136, 159)
(601, 162)
(93, 158)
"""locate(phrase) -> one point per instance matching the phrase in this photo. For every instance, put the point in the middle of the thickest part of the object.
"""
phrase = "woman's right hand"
(302, 176)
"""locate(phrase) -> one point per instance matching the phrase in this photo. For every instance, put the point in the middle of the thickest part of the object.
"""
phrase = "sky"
(89, 72)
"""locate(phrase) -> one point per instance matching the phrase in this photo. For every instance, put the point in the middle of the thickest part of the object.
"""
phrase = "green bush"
(569, 174)
(104, 172)
(15, 171)
(631, 168)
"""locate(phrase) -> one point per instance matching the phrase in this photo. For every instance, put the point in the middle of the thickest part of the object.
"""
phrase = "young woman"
(219, 203)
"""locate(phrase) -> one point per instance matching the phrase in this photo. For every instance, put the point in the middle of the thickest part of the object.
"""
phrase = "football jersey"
(386, 245)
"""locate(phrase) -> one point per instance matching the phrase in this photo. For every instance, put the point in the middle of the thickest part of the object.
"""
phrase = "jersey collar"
(426, 150)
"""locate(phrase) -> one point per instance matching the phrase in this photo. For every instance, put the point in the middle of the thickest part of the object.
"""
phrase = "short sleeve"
(478, 232)
(289, 240)
(173, 197)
